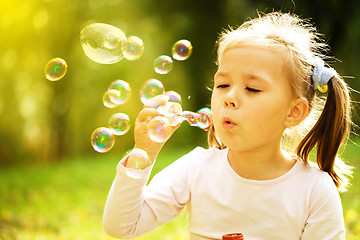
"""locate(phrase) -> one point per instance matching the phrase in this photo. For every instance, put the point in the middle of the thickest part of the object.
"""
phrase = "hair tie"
(321, 75)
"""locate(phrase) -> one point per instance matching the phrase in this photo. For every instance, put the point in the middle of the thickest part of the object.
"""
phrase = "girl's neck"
(265, 164)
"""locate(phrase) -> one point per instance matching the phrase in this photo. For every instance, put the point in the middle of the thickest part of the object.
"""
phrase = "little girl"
(269, 73)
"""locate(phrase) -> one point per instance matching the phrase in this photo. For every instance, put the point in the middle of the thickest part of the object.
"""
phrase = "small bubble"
(204, 121)
(102, 139)
(151, 89)
(124, 91)
(140, 158)
(181, 50)
(119, 123)
(55, 69)
(111, 97)
(163, 64)
(159, 129)
(133, 48)
(173, 96)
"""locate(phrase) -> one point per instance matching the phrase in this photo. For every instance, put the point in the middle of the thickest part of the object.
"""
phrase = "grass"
(65, 200)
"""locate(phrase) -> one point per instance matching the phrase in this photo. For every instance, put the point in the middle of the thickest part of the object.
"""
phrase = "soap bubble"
(111, 97)
(159, 129)
(140, 158)
(163, 64)
(119, 123)
(173, 112)
(102, 139)
(151, 89)
(191, 117)
(204, 121)
(133, 48)
(102, 42)
(55, 69)
(181, 50)
(173, 96)
(124, 91)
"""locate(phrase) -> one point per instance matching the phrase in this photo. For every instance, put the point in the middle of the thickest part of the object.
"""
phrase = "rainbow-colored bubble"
(159, 129)
(133, 48)
(55, 69)
(102, 139)
(181, 50)
(124, 91)
(102, 42)
(110, 98)
(151, 89)
(119, 123)
(174, 96)
(140, 158)
(204, 121)
(163, 64)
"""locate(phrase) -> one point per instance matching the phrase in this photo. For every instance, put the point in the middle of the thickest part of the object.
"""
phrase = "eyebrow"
(248, 76)
(258, 77)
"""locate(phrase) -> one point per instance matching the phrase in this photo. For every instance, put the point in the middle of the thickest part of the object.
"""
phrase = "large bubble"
(102, 139)
(55, 69)
(102, 42)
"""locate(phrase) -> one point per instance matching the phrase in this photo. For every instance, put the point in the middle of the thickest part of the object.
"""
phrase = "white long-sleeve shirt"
(301, 204)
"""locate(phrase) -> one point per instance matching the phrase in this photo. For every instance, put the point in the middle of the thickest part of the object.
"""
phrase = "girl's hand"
(142, 139)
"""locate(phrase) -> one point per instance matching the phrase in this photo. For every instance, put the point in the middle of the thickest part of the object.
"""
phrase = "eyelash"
(252, 90)
(223, 86)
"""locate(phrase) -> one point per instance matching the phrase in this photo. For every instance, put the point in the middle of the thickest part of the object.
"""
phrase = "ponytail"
(329, 132)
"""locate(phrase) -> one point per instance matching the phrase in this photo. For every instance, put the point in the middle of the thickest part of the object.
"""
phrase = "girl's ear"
(298, 112)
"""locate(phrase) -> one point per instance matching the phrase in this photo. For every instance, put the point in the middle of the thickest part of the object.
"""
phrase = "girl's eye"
(253, 90)
(222, 86)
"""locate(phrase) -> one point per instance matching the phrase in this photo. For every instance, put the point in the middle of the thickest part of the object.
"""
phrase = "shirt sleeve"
(325, 219)
(132, 208)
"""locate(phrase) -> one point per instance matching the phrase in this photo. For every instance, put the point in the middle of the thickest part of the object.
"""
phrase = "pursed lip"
(228, 123)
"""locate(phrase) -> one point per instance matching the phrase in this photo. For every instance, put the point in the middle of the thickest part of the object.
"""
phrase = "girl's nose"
(231, 101)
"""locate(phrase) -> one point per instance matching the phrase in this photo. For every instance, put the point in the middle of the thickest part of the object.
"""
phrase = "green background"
(53, 184)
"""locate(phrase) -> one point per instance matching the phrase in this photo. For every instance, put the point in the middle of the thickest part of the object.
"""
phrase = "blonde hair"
(327, 125)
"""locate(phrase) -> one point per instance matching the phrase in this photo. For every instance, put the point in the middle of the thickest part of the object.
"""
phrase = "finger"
(157, 100)
(147, 113)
